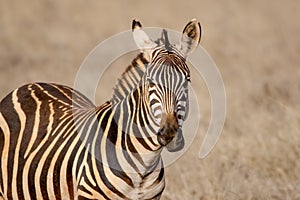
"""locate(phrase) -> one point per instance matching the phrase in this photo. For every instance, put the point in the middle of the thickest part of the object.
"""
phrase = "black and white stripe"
(55, 144)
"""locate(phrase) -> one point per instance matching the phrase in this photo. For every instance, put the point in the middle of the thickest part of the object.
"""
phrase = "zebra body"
(56, 144)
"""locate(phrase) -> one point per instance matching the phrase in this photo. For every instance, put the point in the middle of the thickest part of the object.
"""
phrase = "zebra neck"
(130, 78)
(139, 131)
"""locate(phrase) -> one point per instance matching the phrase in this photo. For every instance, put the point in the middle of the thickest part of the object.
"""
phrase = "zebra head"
(166, 80)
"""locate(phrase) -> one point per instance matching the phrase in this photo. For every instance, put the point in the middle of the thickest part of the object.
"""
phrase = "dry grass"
(256, 45)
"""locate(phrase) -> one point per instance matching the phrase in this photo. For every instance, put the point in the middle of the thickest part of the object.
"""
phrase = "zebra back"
(36, 127)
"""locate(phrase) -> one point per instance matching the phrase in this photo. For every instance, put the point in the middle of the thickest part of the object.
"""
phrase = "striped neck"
(138, 126)
(139, 130)
(130, 78)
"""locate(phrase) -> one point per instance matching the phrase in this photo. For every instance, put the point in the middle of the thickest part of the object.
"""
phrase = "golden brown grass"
(256, 45)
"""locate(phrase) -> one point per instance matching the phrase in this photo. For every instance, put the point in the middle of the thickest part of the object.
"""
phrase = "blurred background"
(255, 44)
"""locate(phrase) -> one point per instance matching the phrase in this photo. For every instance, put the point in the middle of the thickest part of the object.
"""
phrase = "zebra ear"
(190, 38)
(140, 37)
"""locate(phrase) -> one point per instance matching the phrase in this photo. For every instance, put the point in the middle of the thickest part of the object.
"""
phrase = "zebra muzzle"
(170, 134)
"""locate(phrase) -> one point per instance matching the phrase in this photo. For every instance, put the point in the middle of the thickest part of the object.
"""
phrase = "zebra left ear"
(140, 37)
(190, 38)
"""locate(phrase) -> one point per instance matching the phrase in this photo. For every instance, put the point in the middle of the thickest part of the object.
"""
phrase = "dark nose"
(169, 129)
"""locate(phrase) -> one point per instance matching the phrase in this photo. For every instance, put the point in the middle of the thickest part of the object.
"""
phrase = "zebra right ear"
(140, 37)
(190, 38)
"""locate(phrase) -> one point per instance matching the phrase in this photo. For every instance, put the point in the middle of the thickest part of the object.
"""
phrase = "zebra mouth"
(171, 138)
(177, 143)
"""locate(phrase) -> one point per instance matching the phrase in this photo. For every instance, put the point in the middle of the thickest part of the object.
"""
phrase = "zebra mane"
(130, 78)
(134, 72)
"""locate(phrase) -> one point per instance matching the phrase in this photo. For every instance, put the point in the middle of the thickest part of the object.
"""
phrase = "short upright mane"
(130, 78)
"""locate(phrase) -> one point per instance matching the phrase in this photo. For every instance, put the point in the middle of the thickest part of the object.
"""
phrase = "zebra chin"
(177, 143)
(171, 138)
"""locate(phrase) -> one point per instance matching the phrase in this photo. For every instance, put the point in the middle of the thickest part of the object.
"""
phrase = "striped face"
(166, 78)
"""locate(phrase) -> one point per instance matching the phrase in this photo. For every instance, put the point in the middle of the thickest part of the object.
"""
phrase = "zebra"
(56, 144)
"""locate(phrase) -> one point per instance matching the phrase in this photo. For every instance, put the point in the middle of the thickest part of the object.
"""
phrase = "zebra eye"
(188, 78)
(150, 81)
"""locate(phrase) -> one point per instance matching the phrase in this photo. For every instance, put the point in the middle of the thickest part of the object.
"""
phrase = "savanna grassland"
(256, 46)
